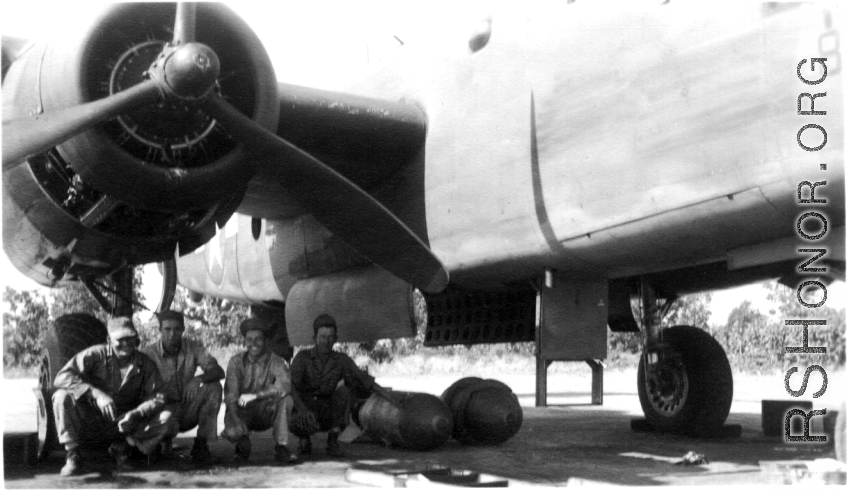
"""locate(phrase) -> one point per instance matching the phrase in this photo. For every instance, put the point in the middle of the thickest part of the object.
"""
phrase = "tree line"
(754, 341)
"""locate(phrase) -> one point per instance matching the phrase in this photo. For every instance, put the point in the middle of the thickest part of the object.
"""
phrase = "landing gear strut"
(684, 376)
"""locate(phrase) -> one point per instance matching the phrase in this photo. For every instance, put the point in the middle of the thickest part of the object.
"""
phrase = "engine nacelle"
(130, 190)
(298, 262)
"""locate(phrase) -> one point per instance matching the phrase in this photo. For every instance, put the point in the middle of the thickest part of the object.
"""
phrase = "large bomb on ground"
(419, 421)
(484, 411)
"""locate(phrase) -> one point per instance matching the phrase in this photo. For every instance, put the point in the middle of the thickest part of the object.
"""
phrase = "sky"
(308, 47)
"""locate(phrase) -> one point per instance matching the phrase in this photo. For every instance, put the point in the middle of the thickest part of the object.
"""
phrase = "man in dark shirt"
(315, 374)
(194, 400)
(257, 394)
(110, 394)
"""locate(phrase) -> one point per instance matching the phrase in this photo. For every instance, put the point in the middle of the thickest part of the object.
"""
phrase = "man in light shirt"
(110, 394)
(194, 400)
(258, 394)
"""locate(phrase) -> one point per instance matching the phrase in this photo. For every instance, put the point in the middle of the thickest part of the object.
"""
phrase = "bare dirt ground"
(569, 442)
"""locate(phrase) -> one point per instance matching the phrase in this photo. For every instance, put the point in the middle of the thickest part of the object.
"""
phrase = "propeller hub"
(191, 70)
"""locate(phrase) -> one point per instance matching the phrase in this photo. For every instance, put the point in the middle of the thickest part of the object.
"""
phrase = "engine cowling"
(131, 190)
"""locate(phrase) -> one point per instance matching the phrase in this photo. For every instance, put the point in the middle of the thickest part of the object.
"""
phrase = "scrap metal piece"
(693, 458)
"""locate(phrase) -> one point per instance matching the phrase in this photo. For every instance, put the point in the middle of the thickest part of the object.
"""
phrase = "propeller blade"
(346, 210)
(30, 135)
(185, 23)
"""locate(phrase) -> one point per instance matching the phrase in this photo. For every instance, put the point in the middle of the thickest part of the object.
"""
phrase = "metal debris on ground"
(692, 458)
(430, 477)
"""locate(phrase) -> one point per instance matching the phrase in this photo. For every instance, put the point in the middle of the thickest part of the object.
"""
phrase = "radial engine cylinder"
(420, 422)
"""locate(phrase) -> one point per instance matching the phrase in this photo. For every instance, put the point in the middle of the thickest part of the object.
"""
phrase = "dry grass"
(19, 372)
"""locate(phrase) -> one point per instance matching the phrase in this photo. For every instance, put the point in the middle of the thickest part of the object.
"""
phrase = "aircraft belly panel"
(785, 249)
(666, 120)
(640, 115)
(783, 194)
(696, 234)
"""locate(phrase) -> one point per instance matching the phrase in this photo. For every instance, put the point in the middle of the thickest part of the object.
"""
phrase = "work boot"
(119, 451)
(243, 448)
(284, 456)
(305, 446)
(166, 447)
(201, 455)
(73, 463)
(154, 456)
(332, 447)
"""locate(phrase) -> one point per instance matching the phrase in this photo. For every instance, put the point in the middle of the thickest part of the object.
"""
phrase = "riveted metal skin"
(421, 422)
(485, 411)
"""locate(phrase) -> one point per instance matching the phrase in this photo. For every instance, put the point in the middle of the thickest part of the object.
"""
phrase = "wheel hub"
(667, 386)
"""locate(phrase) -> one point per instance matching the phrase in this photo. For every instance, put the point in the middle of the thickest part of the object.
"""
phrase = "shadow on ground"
(555, 444)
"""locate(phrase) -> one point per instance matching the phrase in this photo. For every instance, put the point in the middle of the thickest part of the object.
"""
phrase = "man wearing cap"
(194, 400)
(315, 374)
(109, 394)
(258, 394)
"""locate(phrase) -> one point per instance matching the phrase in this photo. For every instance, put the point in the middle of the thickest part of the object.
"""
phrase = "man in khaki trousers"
(194, 400)
(258, 394)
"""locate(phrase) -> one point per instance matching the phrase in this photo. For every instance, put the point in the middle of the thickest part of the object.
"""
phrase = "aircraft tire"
(68, 335)
(47, 439)
(690, 390)
(841, 435)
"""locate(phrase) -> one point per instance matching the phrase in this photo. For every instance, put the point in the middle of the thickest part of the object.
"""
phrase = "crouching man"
(323, 402)
(194, 400)
(109, 394)
(257, 394)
